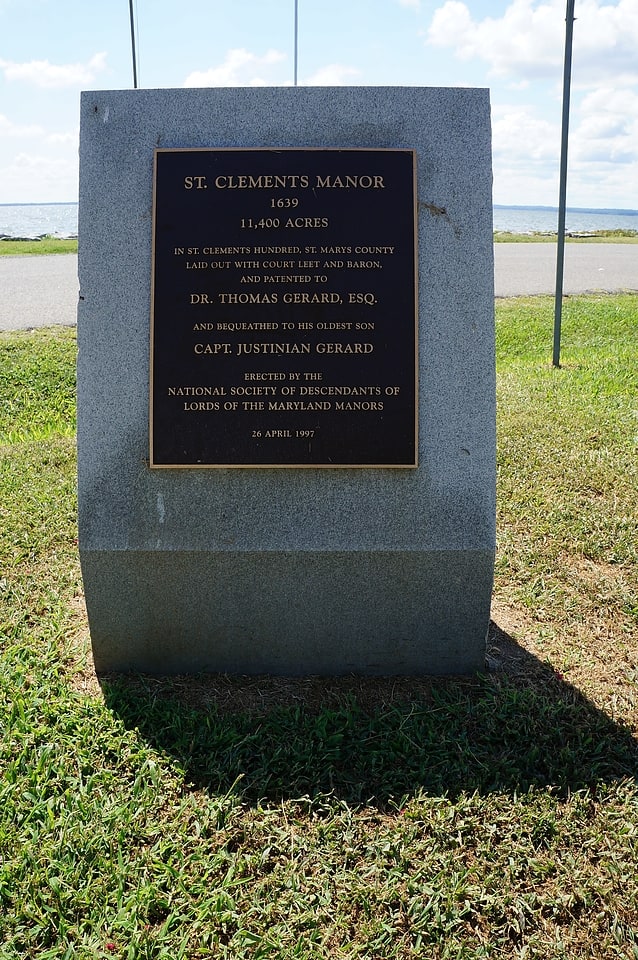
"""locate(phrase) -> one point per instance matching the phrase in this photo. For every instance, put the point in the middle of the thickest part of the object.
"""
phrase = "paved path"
(38, 291)
(522, 269)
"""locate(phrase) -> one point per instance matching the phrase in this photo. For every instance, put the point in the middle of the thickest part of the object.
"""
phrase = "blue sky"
(50, 50)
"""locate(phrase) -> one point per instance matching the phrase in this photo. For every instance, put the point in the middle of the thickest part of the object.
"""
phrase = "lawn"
(48, 245)
(493, 817)
(596, 236)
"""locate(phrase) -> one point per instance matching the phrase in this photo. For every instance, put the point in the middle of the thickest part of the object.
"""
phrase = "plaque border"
(287, 466)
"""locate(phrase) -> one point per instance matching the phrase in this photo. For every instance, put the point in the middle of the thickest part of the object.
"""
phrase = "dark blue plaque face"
(283, 309)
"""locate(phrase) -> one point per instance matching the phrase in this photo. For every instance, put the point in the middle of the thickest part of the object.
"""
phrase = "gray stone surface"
(288, 571)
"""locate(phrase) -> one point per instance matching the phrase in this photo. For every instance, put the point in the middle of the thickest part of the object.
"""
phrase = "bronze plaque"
(284, 330)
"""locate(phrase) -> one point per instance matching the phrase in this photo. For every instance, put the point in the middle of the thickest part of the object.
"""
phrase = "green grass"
(218, 817)
(50, 245)
(37, 385)
(46, 245)
(597, 236)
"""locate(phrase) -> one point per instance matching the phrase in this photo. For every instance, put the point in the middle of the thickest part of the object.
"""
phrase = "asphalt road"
(38, 291)
(42, 290)
(523, 269)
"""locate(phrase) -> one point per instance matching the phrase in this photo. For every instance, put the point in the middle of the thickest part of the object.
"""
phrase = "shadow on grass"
(378, 740)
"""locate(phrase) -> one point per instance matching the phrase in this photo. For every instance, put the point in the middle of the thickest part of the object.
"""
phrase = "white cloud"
(605, 43)
(520, 136)
(243, 68)
(63, 138)
(332, 75)
(525, 155)
(10, 129)
(607, 127)
(41, 73)
(240, 68)
(528, 40)
(39, 179)
(525, 41)
(602, 156)
(601, 174)
(525, 45)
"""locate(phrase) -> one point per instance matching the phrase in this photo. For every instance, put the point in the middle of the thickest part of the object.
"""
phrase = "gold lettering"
(359, 405)
(264, 181)
(197, 183)
(277, 348)
(286, 405)
(344, 347)
(248, 298)
(312, 298)
(211, 348)
(308, 222)
(197, 391)
(363, 181)
(200, 405)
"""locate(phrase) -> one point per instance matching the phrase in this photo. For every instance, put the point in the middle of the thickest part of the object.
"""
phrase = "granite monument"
(286, 413)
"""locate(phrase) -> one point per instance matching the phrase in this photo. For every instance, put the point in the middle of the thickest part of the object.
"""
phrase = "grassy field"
(51, 245)
(599, 236)
(47, 245)
(494, 817)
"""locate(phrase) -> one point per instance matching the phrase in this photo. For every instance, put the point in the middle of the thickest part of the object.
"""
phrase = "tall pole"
(562, 200)
(130, 4)
(296, 37)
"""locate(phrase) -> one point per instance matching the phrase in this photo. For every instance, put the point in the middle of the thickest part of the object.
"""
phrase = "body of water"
(28, 220)
(577, 220)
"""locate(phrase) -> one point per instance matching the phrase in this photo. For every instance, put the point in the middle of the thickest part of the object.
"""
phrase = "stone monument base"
(285, 614)
(288, 570)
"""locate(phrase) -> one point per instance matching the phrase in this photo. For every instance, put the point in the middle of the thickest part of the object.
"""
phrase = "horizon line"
(497, 206)
(539, 206)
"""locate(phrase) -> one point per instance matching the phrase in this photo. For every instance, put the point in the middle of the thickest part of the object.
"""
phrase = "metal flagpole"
(296, 37)
(130, 4)
(562, 200)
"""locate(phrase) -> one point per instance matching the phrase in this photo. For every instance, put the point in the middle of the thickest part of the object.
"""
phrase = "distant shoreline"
(613, 211)
(53, 203)
(31, 221)
(46, 245)
(620, 211)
